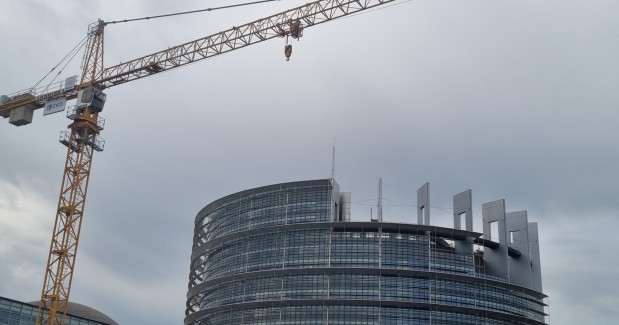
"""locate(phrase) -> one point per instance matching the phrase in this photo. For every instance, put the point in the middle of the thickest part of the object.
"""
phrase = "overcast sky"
(512, 99)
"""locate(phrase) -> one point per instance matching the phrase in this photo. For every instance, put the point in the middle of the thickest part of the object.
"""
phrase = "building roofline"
(241, 194)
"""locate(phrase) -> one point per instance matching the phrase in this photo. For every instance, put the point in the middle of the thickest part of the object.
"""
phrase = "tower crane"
(83, 135)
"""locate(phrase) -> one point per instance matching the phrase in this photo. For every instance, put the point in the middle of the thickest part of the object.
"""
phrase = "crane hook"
(288, 51)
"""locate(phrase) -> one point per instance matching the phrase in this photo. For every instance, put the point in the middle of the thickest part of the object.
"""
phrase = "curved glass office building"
(13, 312)
(289, 254)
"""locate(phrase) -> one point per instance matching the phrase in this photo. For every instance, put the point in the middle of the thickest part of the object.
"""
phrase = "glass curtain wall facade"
(282, 254)
(13, 312)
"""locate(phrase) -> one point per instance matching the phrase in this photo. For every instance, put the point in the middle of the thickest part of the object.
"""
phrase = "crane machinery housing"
(83, 135)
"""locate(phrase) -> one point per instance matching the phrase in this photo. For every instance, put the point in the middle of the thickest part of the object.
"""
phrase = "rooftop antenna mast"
(333, 161)
(380, 200)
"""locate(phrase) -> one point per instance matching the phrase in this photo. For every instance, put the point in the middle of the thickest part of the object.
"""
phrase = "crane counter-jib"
(28, 100)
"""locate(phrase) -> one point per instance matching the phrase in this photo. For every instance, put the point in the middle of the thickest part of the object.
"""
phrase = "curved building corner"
(290, 254)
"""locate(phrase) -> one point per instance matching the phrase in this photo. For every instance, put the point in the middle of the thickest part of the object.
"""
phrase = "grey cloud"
(515, 100)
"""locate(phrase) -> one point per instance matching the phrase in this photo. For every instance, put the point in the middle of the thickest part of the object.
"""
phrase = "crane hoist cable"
(71, 54)
(190, 12)
(63, 67)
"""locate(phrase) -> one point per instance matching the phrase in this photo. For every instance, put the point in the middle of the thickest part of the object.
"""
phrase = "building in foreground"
(13, 312)
(289, 254)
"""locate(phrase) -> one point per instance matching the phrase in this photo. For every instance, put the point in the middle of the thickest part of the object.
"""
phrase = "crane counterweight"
(22, 115)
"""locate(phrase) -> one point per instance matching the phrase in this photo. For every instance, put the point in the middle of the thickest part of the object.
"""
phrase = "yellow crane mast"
(81, 141)
(82, 137)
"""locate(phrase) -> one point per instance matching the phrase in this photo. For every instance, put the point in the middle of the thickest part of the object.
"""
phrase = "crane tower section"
(82, 139)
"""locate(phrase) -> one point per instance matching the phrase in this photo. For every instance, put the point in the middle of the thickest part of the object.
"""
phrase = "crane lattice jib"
(234, 38)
